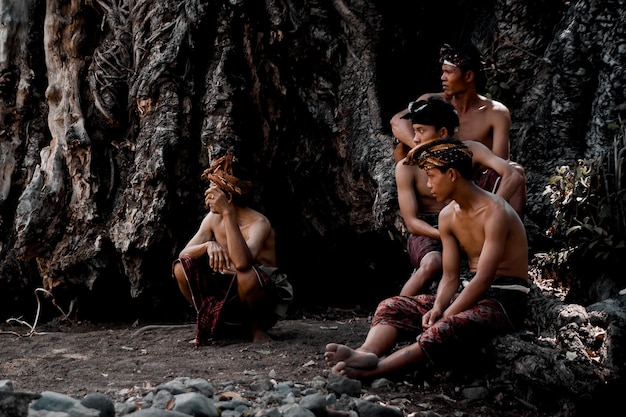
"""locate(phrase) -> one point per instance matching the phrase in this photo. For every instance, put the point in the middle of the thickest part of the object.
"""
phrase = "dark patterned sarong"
(469, 329)
(418, 246)
(216, 300)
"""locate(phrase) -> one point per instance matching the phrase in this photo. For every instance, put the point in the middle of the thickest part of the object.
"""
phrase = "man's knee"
(519, 169)
(178, 273)
(248, 285)
(431, 263)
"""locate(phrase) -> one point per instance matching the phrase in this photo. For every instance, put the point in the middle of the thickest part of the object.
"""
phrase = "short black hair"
(434, 111)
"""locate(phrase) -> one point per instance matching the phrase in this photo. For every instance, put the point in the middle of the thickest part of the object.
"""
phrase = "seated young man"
(228, 269)
(445, 326)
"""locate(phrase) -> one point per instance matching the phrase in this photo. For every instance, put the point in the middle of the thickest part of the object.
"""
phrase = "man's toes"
(339, 368)
(331, 347)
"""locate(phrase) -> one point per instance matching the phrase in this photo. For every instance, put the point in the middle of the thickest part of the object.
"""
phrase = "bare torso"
(490, 214)
(247, 218)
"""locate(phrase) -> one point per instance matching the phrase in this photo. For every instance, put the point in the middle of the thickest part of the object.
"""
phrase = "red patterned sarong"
(418, 246)
(216, 300)
(450, 337)
(487, 179)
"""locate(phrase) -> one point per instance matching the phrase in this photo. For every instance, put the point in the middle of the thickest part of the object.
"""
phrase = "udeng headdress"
(221, 174)
(438, 153)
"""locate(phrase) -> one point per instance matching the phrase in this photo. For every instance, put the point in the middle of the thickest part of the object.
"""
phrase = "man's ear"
(453, 174)
(443, 132)
(469, 76)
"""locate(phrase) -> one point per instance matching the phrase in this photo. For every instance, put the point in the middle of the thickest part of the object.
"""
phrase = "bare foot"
(342, 369)
(260, 336)
(336, 353)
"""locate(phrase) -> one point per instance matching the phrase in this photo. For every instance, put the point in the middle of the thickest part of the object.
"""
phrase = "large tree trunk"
(111, 109)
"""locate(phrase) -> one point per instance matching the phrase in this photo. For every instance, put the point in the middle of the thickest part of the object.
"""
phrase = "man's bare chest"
(476, 128)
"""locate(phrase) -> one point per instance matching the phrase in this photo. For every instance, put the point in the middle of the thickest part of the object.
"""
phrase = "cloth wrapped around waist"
(505, 283)
(215, 296)
(511, 293)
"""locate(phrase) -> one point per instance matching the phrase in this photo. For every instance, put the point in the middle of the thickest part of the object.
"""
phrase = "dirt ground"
(125, 359)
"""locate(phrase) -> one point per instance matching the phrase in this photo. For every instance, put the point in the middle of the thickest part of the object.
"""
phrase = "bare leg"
(380, 340)
(254, 298)
(259, 335)
(430, 267)
(183, 285)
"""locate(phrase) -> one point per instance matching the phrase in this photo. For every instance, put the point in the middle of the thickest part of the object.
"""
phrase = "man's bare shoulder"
(401, 166)
(406, 171)
(447, 211)
(209, 221)
(252, 215)
(476, 146)
(492, 105)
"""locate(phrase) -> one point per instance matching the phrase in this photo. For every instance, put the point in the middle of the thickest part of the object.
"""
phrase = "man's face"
(425, 134)
(438, 184)
(452, 81)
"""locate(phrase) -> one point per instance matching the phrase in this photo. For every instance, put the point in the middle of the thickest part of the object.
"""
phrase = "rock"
(15, 404)
(195, 404)
(99, 402)
(342, 385)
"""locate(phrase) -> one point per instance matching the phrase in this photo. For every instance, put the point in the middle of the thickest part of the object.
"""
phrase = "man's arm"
(450, 280)
(496, 228)
(197, 246)
(408, 202)
(500, 118)
(243, 252)
(402, 129)
(511, 178)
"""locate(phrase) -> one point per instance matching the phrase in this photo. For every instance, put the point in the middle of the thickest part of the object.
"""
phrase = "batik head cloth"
(220, 173)
(438, 153)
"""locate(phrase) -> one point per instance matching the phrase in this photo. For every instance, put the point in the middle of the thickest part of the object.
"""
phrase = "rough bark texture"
(111, 109)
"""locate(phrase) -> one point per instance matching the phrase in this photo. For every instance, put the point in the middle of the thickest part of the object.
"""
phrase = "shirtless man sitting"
(492, 302)
(228, 268)
(434, 119)
(481, 119)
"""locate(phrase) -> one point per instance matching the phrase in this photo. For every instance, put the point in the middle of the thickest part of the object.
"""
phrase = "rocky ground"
(122, 360)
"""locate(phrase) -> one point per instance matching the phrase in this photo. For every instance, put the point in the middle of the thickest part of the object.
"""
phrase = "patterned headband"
(438, 153)
(457, 57)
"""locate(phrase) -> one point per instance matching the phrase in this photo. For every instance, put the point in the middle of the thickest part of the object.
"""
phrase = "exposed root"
(32, 328)
(163, 326)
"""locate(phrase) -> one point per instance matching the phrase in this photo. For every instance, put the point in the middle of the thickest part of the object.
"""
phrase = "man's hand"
(430, 318)
(219, 260)
(216, 200)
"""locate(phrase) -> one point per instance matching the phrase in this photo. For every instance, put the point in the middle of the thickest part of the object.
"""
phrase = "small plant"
(590, 212)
